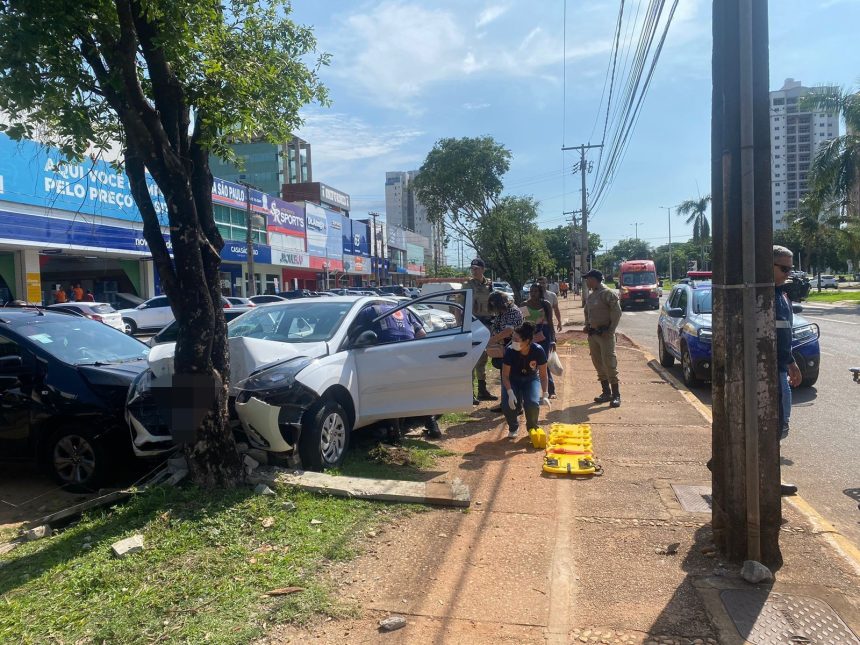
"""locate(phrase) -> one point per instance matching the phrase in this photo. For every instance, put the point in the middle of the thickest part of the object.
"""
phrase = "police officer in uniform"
(481, 287)
(602, 315)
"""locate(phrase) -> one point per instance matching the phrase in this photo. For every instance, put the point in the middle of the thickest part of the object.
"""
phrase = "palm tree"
(695, 210)
(817, 228)
(835, 173)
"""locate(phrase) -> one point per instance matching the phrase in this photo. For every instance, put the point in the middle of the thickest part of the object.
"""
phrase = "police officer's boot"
(431, 428)
(484, 393)
(616, 397)
(606, 396)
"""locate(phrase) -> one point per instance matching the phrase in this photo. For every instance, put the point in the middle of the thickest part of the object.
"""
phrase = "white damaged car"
(305, 373)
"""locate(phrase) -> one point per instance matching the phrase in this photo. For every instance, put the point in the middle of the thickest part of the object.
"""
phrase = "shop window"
(237, 218)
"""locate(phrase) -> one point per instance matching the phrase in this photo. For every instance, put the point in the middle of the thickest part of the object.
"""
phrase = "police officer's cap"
(594, 273)
(478, 262)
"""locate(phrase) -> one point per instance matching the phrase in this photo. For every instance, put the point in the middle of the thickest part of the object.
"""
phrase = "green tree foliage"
(835, 172)
(460, 183)
(696, 212)
(447, 271)
(558, 244)
(510, 242)
(168, 81)
(815, 235)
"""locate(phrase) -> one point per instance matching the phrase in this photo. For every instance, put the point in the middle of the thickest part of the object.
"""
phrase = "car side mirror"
(366, 339)
(796, 308)
(141, 306)
(675, 312)
(9, 363)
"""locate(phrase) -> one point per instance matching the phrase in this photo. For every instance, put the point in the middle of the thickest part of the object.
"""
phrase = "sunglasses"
(785, 269)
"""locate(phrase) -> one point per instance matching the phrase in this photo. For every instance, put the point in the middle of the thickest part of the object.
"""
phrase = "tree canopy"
(460, 182)
(167, 82)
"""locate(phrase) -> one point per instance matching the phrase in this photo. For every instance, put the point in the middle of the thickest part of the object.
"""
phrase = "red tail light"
(95, 317)
(227, 305)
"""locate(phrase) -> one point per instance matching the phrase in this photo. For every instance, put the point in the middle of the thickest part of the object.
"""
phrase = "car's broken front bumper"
(272, 420)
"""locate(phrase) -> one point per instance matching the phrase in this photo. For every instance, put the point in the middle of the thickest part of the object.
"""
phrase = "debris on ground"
(38, 532)
(316, 522)
(268, 522)
(262, 489)
(392, 623)
(128, 546)
(391, 455)
(672, 549)
(251, 464)
(289, 506)
(284, 591)
(755, 572)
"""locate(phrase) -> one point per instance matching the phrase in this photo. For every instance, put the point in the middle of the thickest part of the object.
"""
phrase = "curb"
(839, 542)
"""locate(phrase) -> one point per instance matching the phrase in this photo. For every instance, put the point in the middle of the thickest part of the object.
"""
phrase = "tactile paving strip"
(766, 618)
(693, 499)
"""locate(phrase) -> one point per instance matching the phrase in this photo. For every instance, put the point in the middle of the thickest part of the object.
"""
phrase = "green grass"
(833, 296)
(206, 567)
(421, 455)
(8, 534)
(453, 418)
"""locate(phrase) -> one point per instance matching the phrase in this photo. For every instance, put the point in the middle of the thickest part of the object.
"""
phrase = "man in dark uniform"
(788, 373)
(400, 326)
(481, 287)
(602, 315)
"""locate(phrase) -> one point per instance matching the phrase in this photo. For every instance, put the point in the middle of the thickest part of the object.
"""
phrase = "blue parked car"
(684, 334)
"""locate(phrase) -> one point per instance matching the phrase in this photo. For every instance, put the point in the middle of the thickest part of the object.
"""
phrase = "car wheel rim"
(333, 437)
(688, 368)
(74, 459)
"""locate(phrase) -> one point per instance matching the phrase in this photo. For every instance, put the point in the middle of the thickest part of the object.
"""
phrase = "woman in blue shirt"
(524, 378)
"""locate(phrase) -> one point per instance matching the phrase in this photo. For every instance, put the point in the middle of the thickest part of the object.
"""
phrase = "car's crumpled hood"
(247, 355)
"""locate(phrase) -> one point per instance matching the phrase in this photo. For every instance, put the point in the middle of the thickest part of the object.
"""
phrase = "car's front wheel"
(666, 359)
(689, 373)
(77, 460)
(325, 436)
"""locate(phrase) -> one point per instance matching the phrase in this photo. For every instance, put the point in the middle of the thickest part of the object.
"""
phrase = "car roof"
(15, 317)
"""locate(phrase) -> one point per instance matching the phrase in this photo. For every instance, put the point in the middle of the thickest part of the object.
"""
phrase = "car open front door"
(429, 375)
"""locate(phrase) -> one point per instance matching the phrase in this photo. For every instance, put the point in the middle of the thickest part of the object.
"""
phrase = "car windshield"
(702, 301)
(80, 341)
(639, 278)
(305, 322)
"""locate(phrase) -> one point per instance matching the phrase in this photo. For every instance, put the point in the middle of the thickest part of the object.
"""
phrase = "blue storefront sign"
(285, 217)
(334, 240)
(235, 251)
(33, 174)
(360, 239)
(53, 231)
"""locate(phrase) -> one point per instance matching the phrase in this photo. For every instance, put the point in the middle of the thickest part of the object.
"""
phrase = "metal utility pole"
(746, 473)
(669, 213)
(249, 241)
(583, 169)
(375, 247)
(636, 224)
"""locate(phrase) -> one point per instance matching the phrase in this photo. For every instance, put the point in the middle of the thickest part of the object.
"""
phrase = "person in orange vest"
(78, 293)
(60, 296)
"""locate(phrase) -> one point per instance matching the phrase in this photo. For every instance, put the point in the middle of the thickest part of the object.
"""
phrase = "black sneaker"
(431, 429)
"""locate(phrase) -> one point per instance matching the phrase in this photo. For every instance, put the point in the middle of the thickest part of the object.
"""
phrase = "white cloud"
(491, 13)
(342, 138)
(395, 51)
(475, 106)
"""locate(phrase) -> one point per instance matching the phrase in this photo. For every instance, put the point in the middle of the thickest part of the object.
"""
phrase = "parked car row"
(77, 395)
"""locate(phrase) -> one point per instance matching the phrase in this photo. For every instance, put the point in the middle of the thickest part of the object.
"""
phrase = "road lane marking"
(843, 322)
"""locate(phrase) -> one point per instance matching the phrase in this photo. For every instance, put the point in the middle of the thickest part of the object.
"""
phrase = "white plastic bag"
(554, 364)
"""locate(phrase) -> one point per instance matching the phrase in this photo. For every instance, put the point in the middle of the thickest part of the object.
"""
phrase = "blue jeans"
(528, 397)
(784, 402)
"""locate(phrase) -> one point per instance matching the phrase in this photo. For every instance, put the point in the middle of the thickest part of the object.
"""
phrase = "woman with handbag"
(506, 317)
(537, 310)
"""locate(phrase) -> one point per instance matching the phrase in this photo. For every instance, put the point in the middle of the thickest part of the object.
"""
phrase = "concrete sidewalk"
(613, 559)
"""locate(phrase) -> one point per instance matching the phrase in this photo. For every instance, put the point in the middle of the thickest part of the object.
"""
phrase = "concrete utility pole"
(669, 213)
(746, 478)
(249, 241)
(572, 242)
(376, 248)
(583, 169)
(636, 224)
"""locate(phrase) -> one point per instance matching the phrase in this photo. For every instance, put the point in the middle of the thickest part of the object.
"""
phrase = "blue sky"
(406, 73)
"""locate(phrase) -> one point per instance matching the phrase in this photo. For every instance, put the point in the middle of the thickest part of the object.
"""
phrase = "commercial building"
(65, 223)
(407, 255)
(796, 135)
(267, 166)
(404, 209)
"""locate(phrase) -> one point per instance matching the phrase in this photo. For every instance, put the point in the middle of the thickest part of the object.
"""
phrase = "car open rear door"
(425, 376)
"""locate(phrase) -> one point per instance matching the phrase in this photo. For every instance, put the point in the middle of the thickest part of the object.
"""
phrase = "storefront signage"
(291, 259)
(235, 251)
(334, 197)
(77, 234)
(356, 264)
(317, 229)
(286, 218)
(38, 176)
(396, 237)
(228, 193)
(360, 239)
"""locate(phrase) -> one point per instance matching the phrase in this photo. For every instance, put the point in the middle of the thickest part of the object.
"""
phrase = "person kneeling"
(524, 378)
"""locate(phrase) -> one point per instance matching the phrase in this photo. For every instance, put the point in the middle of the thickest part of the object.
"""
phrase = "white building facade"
(402, 209)
(795, 138)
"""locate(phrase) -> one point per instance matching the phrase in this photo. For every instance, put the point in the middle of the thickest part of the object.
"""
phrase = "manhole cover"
(780, 619)
(693, 499)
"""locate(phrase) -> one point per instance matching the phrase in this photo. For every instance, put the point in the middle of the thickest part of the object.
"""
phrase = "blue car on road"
(684, 334)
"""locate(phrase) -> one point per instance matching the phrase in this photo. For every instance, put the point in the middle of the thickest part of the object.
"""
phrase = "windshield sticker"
(45, 339)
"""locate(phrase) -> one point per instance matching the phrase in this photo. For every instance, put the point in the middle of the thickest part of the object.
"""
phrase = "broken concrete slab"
(262, 489)
(388, 490)
(128, 546)
(38, 532)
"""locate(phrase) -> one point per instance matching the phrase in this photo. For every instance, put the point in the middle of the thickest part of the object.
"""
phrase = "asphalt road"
(822, 452)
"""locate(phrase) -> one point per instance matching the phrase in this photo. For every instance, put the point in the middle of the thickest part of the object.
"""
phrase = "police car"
(684, 333)
(305, 373)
